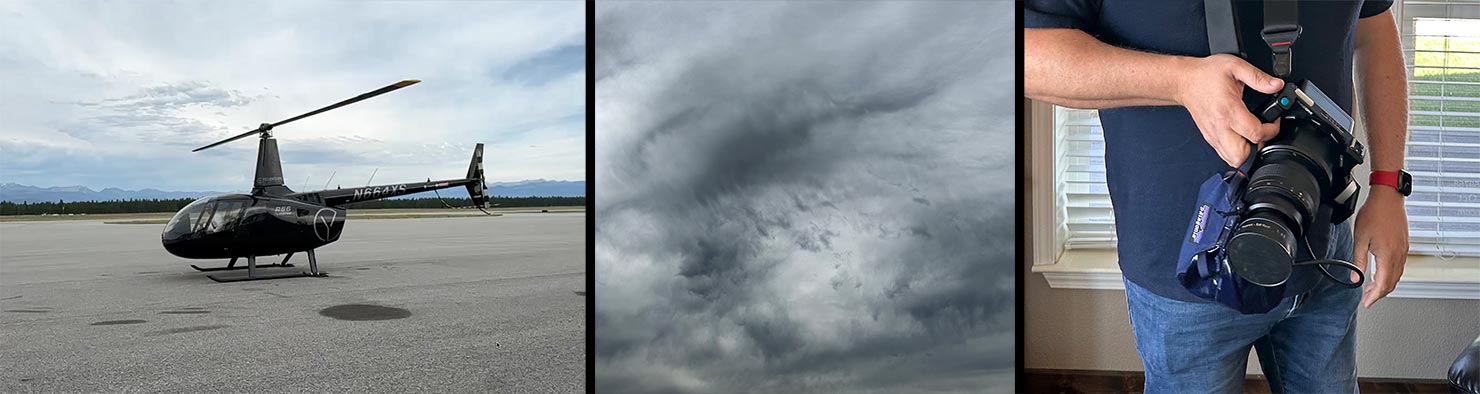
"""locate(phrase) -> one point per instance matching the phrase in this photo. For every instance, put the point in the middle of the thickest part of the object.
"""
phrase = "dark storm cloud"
(807, 196)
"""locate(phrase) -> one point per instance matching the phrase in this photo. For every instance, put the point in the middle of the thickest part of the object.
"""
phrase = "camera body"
(1309, 164)
(1252, 223)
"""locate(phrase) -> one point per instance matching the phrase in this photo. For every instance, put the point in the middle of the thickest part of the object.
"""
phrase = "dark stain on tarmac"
(363, 268)
(184, 329)
(9, 298)
(362, 312)
(26, 310)
(186, 312)
(113, 322)
(581, 293)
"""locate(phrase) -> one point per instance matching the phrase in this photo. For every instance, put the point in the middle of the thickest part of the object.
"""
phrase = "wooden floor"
(1076, 381)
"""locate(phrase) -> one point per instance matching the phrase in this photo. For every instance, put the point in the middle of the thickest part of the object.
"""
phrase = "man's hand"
(1212, 89)
(1070, 68)
(1382, 225)
(1382, 229)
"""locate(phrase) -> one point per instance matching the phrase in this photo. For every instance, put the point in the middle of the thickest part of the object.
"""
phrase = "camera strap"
(1281, 29)
(1222, 25)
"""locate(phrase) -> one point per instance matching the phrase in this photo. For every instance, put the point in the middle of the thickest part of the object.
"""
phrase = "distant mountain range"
(15, 192)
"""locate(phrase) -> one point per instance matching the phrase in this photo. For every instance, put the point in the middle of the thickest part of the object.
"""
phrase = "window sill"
(1423, 276)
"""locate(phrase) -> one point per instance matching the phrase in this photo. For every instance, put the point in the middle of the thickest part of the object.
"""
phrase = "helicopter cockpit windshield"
(189, 220)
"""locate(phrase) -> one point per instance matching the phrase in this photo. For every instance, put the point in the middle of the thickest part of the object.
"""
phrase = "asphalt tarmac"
(493, 304)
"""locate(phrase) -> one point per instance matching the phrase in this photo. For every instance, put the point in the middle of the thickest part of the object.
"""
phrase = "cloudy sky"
(804, 196)
(116, 94)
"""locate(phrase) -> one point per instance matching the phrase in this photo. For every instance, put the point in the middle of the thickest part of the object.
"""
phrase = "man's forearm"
(1383, 86)
(1070, 68)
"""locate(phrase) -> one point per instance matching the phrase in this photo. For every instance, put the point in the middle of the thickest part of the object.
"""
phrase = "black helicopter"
(274, 219)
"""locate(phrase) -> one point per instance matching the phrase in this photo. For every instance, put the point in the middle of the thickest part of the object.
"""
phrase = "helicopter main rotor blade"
(352, 100)
(237, 137)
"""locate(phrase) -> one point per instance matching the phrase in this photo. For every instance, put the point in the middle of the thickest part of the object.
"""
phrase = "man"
(1174, 116)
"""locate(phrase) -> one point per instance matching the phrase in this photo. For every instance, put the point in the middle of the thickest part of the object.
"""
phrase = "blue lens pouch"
(1201, 267)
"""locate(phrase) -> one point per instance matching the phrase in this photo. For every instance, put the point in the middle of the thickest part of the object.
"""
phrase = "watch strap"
(1392, 179)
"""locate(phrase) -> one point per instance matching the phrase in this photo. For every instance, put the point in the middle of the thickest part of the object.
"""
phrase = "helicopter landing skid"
(232, 265)
(252, 274)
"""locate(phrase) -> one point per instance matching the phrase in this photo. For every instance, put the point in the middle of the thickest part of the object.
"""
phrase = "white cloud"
(110, 94)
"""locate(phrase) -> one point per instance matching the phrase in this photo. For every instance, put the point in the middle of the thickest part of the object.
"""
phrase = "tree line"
(174, 204)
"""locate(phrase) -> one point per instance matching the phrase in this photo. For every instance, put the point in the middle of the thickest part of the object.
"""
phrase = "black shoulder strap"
(1222, 23)
(1281, 28)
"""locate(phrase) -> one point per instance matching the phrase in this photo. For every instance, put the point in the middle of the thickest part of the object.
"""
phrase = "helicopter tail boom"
(474, 183)
(340, 197)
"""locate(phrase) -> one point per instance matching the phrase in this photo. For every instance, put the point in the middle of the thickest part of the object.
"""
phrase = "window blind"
(1441, 42)
(1441, 45)
(1084, 216)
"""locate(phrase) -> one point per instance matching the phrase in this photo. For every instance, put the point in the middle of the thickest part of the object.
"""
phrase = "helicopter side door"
(189, 222)
(225, 216)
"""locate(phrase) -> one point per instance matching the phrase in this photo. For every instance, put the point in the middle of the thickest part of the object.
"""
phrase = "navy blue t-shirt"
(1155, 157)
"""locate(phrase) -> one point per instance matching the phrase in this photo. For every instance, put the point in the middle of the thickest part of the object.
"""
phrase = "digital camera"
(1251, 224)
(1308, 164)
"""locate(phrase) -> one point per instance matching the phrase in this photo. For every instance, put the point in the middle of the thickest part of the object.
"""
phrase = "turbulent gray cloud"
(804, 196)
(106, 94)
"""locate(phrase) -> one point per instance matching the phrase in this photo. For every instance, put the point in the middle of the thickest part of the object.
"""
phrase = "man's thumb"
(1257, 79)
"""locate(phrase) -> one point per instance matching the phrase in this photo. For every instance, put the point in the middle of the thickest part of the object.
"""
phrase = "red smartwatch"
(1396, 179)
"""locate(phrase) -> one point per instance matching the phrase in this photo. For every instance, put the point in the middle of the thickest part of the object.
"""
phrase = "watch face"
(1405, 183)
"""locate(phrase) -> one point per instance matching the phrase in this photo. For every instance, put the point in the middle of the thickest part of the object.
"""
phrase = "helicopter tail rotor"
(478, 189)
(265, 127)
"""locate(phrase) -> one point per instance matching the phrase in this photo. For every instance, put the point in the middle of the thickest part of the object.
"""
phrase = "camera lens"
(1262, 249)
(1283, 195)
(1286, 186)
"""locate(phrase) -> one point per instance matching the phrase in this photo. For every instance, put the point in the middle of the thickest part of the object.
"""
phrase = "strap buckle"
(1280, 38)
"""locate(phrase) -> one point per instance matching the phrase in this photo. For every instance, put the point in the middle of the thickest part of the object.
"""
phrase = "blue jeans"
(1307, 344)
